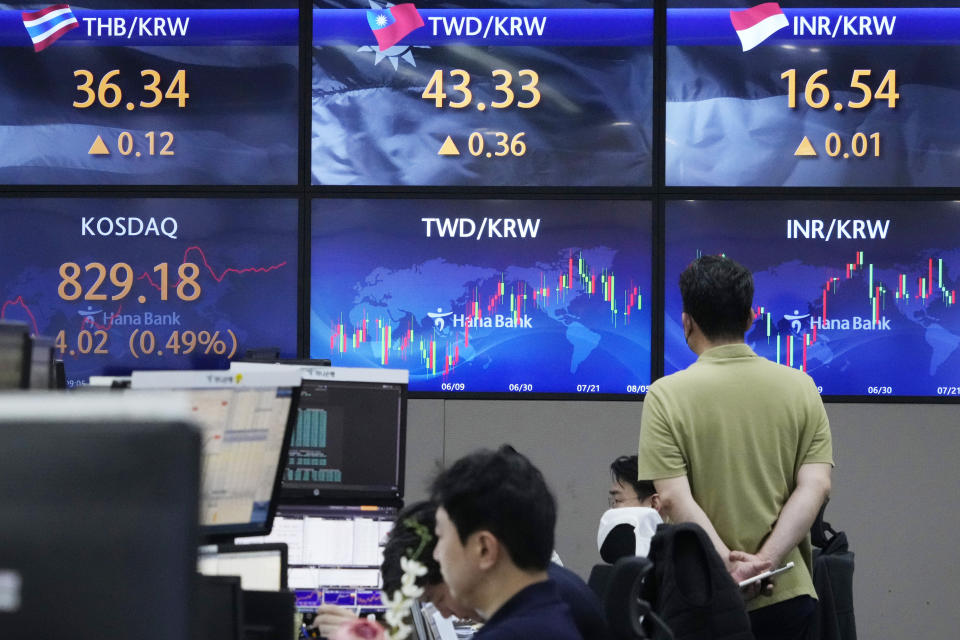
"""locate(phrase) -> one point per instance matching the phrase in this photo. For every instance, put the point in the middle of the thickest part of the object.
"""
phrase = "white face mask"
(644, 521)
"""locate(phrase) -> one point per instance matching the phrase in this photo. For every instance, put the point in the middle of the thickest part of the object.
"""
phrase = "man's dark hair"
(624, 470)
(412, 536)
(503, 493)
(718, 294)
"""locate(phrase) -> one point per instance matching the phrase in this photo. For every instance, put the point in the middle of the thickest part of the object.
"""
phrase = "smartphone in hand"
(765, 575)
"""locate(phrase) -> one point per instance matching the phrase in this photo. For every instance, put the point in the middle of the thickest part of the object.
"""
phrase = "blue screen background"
(371, 260)
(246, 251)
(913, 351)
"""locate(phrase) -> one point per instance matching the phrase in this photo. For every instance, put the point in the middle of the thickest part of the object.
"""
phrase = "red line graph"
(19, 302)
(210, 269)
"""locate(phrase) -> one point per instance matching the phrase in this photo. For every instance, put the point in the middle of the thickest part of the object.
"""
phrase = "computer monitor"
(261, 567)
(246, 421)
(99, 533)
(349, 444)
(219, 608)
(41, 370)
(334, 552)
(14, 354)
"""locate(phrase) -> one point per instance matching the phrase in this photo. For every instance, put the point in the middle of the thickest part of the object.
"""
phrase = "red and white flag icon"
(757, 24)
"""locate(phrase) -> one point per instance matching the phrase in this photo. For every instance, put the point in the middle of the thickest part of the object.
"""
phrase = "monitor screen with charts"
(334, 552)
(261, 567)
(349, 443)
(245, 420)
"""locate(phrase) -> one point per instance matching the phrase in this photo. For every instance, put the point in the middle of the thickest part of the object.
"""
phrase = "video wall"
(497, 196)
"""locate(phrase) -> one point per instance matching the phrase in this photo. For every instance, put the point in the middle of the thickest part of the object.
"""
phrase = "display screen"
(859, 294)
(486, 296)
(812, 93)
(482, 93)
(243, 438)
(348, 441)
(171, 283)
(129, 93)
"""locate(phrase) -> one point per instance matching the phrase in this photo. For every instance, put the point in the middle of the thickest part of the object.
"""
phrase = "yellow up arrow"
(448, 148)
(805, 148)
(98, 148)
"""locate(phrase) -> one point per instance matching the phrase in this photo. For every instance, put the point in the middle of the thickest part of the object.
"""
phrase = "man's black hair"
(624, 470)
(503, 493)
(718, 294)
(412, 536)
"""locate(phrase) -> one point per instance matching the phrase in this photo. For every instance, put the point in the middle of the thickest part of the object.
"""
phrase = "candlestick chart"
(865, 312)
(563, 310)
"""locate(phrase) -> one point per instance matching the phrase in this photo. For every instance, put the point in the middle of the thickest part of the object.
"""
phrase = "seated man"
(628, 526)
(495, 527)
(626, 490)
(407, 538)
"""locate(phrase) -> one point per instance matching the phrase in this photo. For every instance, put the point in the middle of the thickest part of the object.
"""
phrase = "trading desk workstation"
(203, 504)
(491, 198)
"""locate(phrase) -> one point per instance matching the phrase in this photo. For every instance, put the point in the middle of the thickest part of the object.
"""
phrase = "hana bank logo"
(755, 25)
(390, 24)
(796, 320)
(439, 319)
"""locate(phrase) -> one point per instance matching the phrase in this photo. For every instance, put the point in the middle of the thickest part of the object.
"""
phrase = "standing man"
(741, 446)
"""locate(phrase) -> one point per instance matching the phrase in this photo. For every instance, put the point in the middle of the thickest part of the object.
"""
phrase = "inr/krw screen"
(486, 296)
(861, 295)
(812, 93)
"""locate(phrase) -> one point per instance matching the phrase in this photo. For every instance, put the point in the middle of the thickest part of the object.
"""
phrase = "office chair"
(622, 604)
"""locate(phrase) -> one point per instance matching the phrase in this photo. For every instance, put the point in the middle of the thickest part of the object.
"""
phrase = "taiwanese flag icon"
(757, 24)
(392, 24)
(47, 25)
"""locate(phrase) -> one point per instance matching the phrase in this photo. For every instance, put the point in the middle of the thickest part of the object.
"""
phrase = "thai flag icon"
(392, 24)
(47, 25)
(757, 24)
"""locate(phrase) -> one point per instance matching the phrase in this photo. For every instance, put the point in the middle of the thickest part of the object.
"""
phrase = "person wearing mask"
(740, 446)
(627, 527)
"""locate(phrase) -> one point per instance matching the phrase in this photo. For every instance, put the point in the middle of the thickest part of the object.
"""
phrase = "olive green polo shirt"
(738, 426)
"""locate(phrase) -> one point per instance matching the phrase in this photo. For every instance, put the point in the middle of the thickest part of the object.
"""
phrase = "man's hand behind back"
(742, 566)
